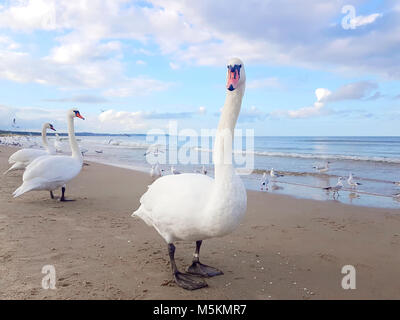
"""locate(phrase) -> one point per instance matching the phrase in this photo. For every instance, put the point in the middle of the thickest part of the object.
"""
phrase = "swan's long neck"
(44, 138)
(76, 153)
(225, 134)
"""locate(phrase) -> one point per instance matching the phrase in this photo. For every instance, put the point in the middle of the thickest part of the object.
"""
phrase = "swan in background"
(22, 158)
(204, 170)
(52, 172)
(351, 182)
(195, 207)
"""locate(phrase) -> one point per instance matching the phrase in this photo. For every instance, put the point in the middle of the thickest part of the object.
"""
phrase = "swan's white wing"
(53, 169)
(26, 155)
(174, 205)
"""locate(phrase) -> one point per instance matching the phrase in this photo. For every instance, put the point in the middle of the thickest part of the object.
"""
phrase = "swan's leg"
(202, 269)
(62, 194)
(185, 281)
(51, 194)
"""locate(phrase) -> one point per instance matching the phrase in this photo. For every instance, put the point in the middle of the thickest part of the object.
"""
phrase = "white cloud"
(353, 91)
(174, 66)
(316, 109)
(364, 20)
(122, 120)
(202, 110)
(141, 62)
(88, 51)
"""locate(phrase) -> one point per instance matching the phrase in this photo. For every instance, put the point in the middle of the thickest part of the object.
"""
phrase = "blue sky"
(131, 66)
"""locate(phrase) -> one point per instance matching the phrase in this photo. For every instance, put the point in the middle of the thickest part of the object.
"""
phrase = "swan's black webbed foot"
(189, 282)
(203, 270)
(185, 281)
(200, 269)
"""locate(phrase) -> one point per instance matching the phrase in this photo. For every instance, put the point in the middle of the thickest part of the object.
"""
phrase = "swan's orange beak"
(78, 115)
(233, 77)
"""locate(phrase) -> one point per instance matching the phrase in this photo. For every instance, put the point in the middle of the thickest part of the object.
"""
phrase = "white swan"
(194, 207)
(52, 172)
(23, 157)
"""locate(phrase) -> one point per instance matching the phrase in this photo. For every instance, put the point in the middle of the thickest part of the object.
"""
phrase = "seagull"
(264, 181)
(274, 175)
(351, 182)
(174, 171)
(336, 188)
(324, 168)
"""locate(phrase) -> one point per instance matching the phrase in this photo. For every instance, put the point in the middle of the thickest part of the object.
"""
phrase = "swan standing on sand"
(52, 172)
(23, 157)
(194, 207)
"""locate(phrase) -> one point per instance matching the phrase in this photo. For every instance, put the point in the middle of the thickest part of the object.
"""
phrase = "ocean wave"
(313, 156)
(327, 157)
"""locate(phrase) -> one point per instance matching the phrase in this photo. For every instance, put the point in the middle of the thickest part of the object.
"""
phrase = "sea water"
(373, 161)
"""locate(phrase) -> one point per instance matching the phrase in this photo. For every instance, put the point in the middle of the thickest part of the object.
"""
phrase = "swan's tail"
(26, 187)
(15, 166)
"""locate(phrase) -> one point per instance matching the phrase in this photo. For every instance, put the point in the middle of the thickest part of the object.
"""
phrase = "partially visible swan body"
(194, 207)
(52, 172)
(22, 158)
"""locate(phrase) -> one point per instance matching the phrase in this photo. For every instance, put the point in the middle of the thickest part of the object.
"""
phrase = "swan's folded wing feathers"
(26, 155)
(54, 168)
(172, 199)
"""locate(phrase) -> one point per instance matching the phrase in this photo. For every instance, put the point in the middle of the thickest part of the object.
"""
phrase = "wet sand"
(286, 248)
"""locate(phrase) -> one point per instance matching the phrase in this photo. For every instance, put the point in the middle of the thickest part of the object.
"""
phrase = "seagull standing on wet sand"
(336, 188)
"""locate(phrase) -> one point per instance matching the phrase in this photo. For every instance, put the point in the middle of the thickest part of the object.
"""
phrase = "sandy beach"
(286, 248)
